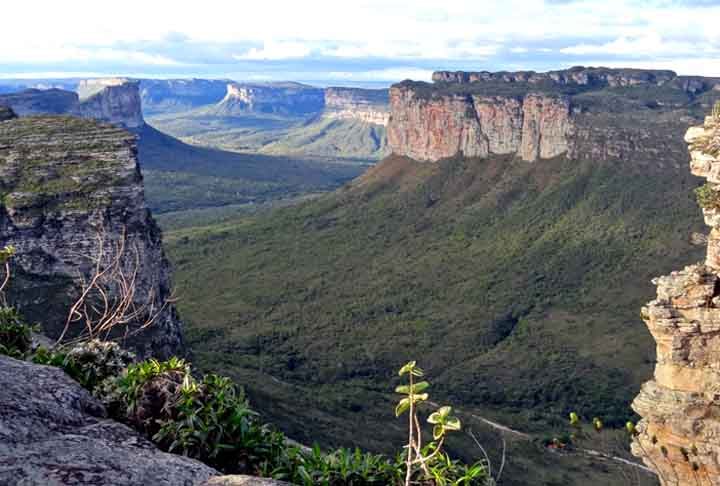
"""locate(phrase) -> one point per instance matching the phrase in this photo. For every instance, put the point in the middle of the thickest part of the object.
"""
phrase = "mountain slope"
(517, 284)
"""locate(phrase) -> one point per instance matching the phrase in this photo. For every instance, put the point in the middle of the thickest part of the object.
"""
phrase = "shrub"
(91, 364)
(15, 333)
(708, 197)
(716, 111)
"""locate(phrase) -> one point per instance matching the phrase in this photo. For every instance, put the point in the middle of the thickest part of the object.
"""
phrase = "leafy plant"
(716, 111)
(708, 197)
(15, 333)
(430, 463)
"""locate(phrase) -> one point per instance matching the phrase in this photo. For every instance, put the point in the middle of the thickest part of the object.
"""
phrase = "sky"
(356, 42)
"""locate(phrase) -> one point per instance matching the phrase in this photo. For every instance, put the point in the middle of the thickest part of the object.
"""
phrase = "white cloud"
(273, 51)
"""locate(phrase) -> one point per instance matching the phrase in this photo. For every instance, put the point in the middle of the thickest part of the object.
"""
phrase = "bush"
(708, 197)
(15, 334)
(92, 363)
(716, 111)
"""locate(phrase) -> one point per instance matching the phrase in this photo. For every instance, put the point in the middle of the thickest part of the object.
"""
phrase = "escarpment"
(594, 114)
(679, 434)
(71, 189)
(113, 100)
(367, 105)
(270, 98)
(534, 126)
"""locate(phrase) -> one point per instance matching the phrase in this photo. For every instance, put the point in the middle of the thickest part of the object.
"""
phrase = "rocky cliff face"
(594, 114)
(172, 95)
(678, 435)
(64, 181)
(532, 126)
(277, 98)
(582, 76)
(115, 101)
(367, 105)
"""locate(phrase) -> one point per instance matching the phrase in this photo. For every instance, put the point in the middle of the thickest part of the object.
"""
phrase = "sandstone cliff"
(594, 114)
(63, 181)
(367, 105)
(172, 95)
(113, 100)
(582, 76)
(680, 430)
(532, 126)
(271, 98)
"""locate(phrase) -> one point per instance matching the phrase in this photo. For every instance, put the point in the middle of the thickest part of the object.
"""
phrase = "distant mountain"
(173, 95)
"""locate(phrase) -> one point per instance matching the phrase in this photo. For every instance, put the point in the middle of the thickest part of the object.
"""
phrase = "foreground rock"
(679, 435)
(68, 184)
(236, 480)
(53, 432)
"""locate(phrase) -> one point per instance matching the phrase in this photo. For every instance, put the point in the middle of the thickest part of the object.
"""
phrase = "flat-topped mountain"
(592, 113)
(368, 105)
(271, 98)
(173, 95)
(114, 100)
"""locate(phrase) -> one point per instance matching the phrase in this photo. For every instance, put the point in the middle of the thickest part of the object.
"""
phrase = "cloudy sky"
(356, 41)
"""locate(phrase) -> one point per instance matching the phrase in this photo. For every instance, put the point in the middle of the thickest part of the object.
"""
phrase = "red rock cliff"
(430, 128)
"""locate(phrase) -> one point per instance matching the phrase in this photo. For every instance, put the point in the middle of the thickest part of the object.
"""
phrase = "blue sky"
(353, 42)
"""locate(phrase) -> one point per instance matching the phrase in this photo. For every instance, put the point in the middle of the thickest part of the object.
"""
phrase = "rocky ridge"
(595, 114)
(678, 435)
(65, 182)
(271, 98)
(584, 76)
(113, 100)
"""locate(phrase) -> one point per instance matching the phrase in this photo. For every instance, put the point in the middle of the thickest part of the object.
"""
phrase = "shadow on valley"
(179, 176)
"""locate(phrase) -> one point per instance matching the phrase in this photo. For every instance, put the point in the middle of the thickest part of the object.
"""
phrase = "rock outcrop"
(431, 128)
(583, 76)
(679, 435)
(65, 182)
(367, 105)
(271, 98)
(113, 100)
(53, 432)
(6, 113)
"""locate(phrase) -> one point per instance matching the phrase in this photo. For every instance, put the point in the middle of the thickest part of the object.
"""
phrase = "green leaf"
(402, 406)
(452, 423)
(403, 389)
(408, 368)
(419, 398)
(421, 386)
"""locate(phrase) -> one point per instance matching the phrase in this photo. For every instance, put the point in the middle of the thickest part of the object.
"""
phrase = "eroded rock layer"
(431, 128)
(679, 435)
(66, 183)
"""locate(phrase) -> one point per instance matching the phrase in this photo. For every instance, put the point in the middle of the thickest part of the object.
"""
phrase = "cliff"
(270, 98)
(366, 105)
(678, 435)
(531, 127)
(582, 76)
(64, 182)
(594, 114)
(114, 100)
(173, 95)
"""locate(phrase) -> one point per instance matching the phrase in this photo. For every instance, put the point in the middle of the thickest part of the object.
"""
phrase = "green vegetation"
(716, 111)
(708, 197)
(180, 177)
(529, 275)
(15, 333)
